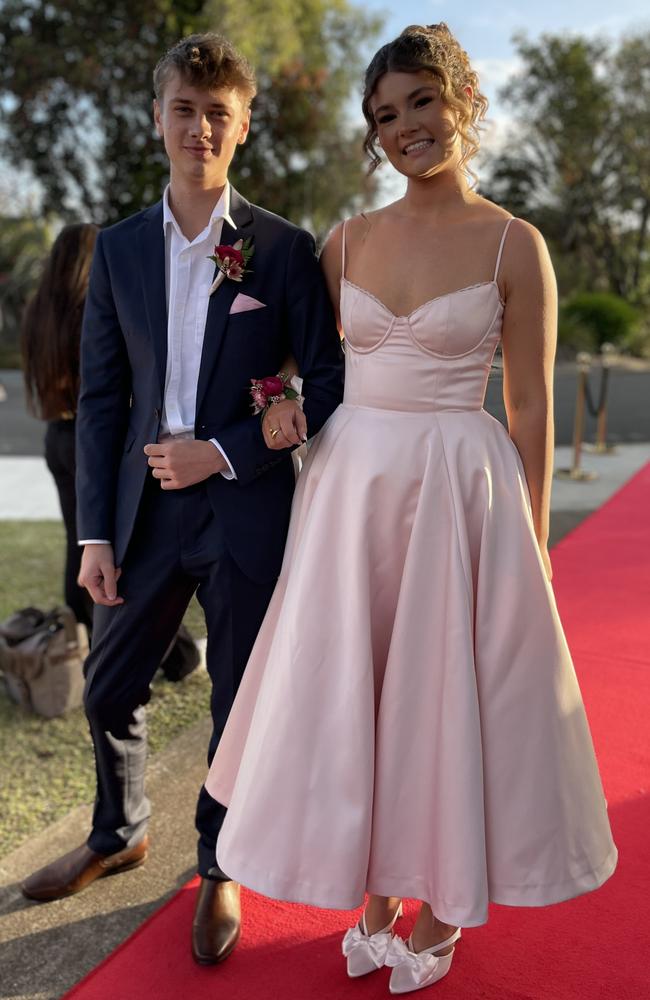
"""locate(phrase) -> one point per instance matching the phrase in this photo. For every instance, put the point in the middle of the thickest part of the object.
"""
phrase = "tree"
(76, 85)
(24, 244)
(77, 80)
(580, 167)
(303, 158)
(630, 158)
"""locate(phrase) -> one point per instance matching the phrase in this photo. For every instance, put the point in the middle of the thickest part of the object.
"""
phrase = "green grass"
(32, 558)
(47, 764)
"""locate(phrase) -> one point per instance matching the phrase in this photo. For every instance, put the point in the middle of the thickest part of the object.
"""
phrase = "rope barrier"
(576, 473)
(595, 411)
(600, 411)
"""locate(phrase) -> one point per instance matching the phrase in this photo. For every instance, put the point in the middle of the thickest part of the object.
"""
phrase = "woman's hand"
(284, 425)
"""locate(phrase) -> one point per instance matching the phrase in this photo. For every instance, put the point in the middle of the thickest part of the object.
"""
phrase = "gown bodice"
(438, 357)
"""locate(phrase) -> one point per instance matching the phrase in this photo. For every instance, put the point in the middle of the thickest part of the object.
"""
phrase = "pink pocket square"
(244, 303)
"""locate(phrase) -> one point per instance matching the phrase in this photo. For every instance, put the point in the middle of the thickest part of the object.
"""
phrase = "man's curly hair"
(206, 61)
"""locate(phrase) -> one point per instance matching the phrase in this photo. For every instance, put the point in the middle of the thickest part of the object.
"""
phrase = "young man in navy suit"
(177, 491)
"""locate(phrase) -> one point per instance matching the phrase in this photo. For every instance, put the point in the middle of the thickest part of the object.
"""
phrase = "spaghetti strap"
(345, 222)
(501, 245)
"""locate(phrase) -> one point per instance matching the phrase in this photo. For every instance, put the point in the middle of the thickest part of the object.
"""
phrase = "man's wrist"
(225, 467)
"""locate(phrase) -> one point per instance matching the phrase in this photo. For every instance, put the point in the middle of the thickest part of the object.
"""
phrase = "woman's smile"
(419, 146)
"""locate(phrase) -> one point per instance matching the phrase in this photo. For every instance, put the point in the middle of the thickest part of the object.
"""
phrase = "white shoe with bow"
(367, 952)
(413, 970)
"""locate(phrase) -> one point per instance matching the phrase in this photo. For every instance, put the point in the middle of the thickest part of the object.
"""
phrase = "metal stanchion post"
(601, 447)
(575, 472)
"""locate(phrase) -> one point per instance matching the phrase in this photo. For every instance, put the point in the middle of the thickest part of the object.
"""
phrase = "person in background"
(51, 330)
(51, 333)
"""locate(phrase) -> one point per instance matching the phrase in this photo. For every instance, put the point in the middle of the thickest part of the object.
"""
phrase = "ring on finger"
(274, 432)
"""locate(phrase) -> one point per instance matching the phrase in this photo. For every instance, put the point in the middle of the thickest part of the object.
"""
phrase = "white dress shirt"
(188, 276)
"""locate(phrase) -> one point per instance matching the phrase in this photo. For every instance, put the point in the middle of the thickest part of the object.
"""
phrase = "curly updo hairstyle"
(434, 49)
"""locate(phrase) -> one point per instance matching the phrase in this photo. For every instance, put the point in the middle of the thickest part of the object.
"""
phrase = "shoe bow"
(418, 966)
(374, 946)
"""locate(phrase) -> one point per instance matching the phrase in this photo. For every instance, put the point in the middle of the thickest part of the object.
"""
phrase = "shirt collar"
(220, 211)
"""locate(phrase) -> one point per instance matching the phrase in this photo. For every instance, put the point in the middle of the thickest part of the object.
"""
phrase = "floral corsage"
(273, 389)
(232, 262)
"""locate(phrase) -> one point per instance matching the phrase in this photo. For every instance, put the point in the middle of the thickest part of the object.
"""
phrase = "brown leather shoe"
(217, 921)
(76, 870)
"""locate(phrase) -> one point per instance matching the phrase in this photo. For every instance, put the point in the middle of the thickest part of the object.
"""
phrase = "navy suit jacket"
(123, 365)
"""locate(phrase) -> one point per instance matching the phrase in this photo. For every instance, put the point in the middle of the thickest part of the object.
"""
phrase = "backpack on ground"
(42, 655)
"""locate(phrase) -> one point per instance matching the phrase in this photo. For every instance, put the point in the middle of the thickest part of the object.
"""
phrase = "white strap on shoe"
(443, 944)
(421, 965)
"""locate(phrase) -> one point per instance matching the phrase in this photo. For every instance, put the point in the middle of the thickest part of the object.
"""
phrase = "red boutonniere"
(232, 262)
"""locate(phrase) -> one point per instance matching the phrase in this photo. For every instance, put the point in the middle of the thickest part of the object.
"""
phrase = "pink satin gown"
(410, 723)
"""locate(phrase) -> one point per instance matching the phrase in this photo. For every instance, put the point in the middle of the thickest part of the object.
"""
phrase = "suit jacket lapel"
(222, 299)
(151, 253)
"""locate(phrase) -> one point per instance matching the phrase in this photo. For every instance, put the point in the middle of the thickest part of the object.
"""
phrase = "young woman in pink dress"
(410, 724)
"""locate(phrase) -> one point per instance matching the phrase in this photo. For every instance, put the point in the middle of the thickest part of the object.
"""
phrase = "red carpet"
(592, 948)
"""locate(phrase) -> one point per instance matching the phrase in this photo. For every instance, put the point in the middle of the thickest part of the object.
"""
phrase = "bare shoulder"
(526, 262)
(358, 226)
(525, 238)
(353, 231)
(333, 245)
(331, 259)
(331, 256)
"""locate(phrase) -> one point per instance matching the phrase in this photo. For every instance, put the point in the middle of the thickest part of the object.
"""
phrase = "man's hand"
(288, 420)
(182, 463)
(99, 575)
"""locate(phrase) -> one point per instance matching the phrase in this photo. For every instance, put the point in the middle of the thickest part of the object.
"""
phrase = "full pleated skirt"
(410, 723)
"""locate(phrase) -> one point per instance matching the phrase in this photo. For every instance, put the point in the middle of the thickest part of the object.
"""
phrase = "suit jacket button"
(156, 413)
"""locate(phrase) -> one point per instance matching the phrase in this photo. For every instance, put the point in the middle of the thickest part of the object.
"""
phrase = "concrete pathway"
(611, 470)
(27, 490)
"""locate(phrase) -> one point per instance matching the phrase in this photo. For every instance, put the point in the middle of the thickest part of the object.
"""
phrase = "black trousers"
(60, 459)
(177, 549)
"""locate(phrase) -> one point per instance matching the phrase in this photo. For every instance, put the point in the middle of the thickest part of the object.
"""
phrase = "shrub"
(574, 335)
(637, 341)
(589, 319)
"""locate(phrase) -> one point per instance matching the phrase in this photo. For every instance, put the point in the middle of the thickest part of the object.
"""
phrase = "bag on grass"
(42, 656)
